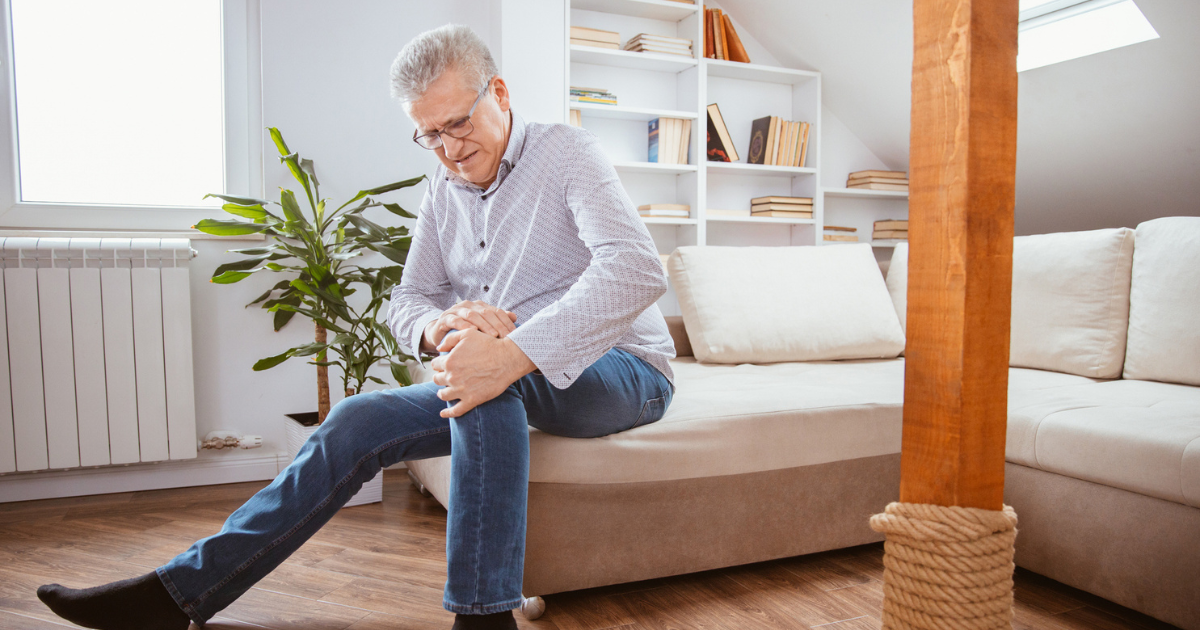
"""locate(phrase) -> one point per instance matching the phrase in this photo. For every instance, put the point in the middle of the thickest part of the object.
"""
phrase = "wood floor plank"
(12, 621)
(286, 612)
(302, 581)
(404, 600)
(389, 567)
(802, 601)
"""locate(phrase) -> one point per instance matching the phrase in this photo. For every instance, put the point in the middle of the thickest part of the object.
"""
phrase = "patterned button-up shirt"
(554, 239)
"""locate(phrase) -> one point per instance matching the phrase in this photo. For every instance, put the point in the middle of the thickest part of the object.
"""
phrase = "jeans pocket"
(652, 411)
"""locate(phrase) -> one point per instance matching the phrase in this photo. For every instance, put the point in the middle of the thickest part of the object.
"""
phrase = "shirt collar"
(512, 153)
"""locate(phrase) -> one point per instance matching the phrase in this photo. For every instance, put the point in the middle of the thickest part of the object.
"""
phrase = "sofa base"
(588, 535)
(1138, 551)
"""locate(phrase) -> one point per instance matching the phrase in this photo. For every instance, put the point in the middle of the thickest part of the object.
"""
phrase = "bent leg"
(361, 435)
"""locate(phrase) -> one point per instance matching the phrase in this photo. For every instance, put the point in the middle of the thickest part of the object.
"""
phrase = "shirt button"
(485, 288)
(482, 244)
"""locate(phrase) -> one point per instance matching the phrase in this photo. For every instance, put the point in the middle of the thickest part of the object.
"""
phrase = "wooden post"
(962, 174)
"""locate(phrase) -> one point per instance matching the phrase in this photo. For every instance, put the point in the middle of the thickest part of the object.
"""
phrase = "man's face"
(475, 157)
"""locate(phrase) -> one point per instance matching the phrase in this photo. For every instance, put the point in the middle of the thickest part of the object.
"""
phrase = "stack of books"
(670, 139)
(720, 144)
(721, 41)
(890, 231)
(778, 142)
(645, 42)
(878, 180)
(592, 95)
(840, 234)
(597, 38)
(787, 207)
(672, 210)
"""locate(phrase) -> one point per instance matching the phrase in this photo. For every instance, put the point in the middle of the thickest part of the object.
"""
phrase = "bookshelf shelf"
(600, 110)
(667, 221)
(886, 243)
(758, 169)
(727, 219)
(659, 62)
(649, 9)
(653, 167)
(856, 192)
(757, 72)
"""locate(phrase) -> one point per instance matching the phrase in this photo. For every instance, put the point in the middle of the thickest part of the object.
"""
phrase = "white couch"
(784, 434)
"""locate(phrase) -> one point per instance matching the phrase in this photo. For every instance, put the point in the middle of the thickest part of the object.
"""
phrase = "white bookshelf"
(864, 193)
(650, 86)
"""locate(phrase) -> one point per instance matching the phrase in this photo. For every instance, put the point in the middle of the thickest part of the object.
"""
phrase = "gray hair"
(430, 54)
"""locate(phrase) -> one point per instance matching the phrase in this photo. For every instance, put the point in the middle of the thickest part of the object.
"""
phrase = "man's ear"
(500, 93)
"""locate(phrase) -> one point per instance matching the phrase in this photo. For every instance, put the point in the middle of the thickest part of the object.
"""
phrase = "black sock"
(140, 603)
(495, 621)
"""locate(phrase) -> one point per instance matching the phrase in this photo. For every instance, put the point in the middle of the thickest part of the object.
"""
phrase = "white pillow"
(1164, 302)
(1070, 301)
(773, 304)
(897, 283)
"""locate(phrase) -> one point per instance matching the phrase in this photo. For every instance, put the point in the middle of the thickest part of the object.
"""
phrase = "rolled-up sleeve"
(624, 277)
(424, 291)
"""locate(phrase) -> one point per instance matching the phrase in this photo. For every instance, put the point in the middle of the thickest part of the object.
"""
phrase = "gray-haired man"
(532, 275)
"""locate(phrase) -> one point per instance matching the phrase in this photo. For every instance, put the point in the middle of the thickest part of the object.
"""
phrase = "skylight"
(1053, 31)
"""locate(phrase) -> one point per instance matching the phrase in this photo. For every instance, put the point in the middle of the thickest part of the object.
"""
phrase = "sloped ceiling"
(1107, 140)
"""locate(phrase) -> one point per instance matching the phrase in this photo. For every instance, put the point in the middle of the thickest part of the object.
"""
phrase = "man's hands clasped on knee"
(476, 369)
(467, 315)
(481, 362)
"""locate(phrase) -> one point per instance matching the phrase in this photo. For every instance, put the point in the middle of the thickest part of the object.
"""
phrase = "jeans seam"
(645, 406)
(479, 502)
(199, 601)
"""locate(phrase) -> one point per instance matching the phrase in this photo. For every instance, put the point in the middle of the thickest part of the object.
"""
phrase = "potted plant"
(317, 250)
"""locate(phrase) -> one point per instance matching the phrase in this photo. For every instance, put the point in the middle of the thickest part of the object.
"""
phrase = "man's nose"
(452, 146)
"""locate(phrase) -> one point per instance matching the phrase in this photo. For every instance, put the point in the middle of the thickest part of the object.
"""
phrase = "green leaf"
(303, 287)
(382, 189)
(243, 265)
(282, 318)
(307, 167)
(219, 227)
(255, 212)
(230, 277)
(343, 339)
(291, 209)
(385, 336)
(308, 350)
(376, 379)
(278, 139)
(367, 226)
(395, 254)
(241, 201)
(270, 362)
(400, 373)
(395, 208)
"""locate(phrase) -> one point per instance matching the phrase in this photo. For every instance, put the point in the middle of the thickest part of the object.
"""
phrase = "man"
(555, 327)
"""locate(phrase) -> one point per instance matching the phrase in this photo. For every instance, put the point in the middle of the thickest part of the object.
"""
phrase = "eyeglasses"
(460, 128)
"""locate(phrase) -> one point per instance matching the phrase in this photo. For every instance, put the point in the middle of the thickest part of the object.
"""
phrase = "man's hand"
(468, 315)
(478, 368)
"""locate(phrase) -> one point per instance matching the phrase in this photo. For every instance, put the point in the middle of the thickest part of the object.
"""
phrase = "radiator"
(95, 352)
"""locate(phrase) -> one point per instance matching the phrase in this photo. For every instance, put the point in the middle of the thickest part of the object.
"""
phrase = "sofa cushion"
(1139, 436)
(1070, 301)
(771, 304)
(1164, 302)
(733, 419)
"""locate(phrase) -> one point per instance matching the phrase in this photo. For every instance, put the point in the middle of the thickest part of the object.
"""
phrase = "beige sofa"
(784, 435)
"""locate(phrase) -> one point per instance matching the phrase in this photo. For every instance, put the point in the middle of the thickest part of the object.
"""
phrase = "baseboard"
(205, 470)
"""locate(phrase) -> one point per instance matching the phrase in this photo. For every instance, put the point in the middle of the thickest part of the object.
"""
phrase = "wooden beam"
(963, 169)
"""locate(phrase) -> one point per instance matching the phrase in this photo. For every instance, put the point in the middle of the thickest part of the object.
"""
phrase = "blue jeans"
(489, 482)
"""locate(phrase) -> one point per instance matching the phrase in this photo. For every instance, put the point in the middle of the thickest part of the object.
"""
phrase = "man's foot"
(495, 621)
(140, 603)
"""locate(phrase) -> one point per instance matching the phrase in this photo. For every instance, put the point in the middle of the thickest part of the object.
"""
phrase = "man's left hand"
(477, 368)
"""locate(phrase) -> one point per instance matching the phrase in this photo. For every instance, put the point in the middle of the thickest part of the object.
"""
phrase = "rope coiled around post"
(946, 568)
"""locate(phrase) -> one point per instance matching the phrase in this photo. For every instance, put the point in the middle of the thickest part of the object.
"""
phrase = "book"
(718, 33)
(661, 51)
(781, 214)
(772, 140)
(655, 134)
(801, 138)
(789, 149)
(719, 143)
(849, 238)
(793, 200)
(709, 51)
(660, 39)
(665, 206)
(665, 214)
(735, 51)
(576, 118)
(892, 224)
(685, 142)
(756, 152)
(724, 34)
(890, 234)
(785, 207)
(673, 210)
(875, 180)
(588, 99)
(804, 148)
(895, 187)
(594, 44)
(889, 174)
(595, 34)
(675, 48)
(721, 212)
(841, 228)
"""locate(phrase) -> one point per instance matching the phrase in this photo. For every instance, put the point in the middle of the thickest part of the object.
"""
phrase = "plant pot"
(299, 426)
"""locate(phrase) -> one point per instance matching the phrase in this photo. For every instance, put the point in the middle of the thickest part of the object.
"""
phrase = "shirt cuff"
(419, 333)
(549, 361)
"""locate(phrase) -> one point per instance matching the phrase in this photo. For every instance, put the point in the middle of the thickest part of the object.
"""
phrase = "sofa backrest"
(1070, 300)
(773, 304)
(1164, 302)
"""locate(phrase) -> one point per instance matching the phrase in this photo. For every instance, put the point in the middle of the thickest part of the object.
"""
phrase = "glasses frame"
(436, 136)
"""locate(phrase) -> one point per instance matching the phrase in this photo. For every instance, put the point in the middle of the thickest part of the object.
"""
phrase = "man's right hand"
(466, 315)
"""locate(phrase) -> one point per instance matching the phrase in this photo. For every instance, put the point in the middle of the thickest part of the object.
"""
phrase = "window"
(118, 102)
(1053, 31)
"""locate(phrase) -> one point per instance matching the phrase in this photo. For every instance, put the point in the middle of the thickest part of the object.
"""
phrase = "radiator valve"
(218, 440)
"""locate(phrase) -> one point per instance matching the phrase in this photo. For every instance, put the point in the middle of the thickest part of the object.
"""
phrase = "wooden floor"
(382, 567)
